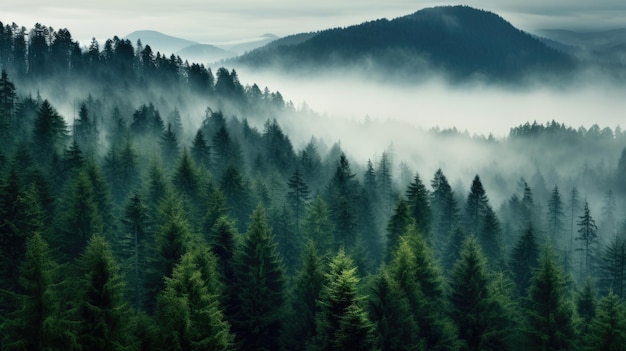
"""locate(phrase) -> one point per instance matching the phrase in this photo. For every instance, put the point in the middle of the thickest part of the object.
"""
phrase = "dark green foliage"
(490, 239)
(340, 192)
(169, 147)
(49, 134)
(394, 325)
(260, 286)
(548, 312)
(397, 226)
(298, 197)
(613, 267)
(201, 151)
(341, 323)
(445, 211)
(586, 305)
(237, 194)
(418, 199)
(38, 323)
(288, 240)
(318, 226)
(188, 312)
(587, 231)
(100, 308)
(478, 312)
(556, 216)
(302, 302)
(475, 207)
(523, 259)
(607, 330)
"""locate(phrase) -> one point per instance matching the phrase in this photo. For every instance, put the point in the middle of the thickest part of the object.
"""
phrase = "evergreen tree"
(607, 330)
(573, 209)
(384, 184)
(613, 267)
(555, 216)
(340, 192)
(302, 302)
(523, 260)
(587, 230)
(397, 226)
(453, 249)
(318, 226)
(223, 242)
(445, 210)
(100, 305)
(38, 323)
(418, 200)
(80, 218)
(169, 147)
(475, 207)
(201, 151)
(260, 285)
(586, 305)
(394, 325)
(215, 208)
(341, 323)
(49, 134)
(298, 197)
(478, 313)
(490, 239)
(548, 313)
(188, 312)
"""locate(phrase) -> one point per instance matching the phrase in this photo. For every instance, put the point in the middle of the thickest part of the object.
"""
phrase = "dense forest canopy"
(149, 203)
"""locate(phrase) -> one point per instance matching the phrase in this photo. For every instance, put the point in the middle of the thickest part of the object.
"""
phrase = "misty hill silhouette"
(166, 44)
(461, 41)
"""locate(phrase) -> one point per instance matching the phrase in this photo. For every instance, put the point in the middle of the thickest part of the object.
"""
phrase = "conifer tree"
(49, 134)
(260, 284)
(318, 226)
(38, 323)
(397, 226)
(169, 147)
(302, 302)
(188, 312)
(298, 197)
(548, 312)
(475, 206)
(389, 309)
(490, 238)
(555, 216)
(201, 151)
(586, 305)
(613, 267)
(478, 313)
(100, 308)
(607, 330)
(223, 242)
(445, 210)
(341, 323)
(215, 208)
(419, 205)
(587, 230)
(523, 259)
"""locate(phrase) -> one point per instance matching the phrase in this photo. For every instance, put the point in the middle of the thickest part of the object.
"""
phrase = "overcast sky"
(220, 21)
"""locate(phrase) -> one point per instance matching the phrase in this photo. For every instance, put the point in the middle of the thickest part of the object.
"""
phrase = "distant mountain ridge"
(461, 41)
(158, 41)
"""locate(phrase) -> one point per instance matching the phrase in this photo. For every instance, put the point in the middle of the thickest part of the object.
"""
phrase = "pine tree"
(490, 238)
(573, 209)
(478, 314)
(188, 312)
(341, 323)
(260, 284)
(100, 306)
(586, 305)
(613, 267)
(201, 151)
(80, 218)
(223, 242)
(318, 226)
(419, 205)
(49, 134)
(523, 260)
(555, 216)
(548, 313)
(302, 302)
(298, 197)
(235, 189)
(38, 323)
(588, 236)
(475, 206)
(384, 184)
(169, 147)
(397, 226)
(394, 325)
(607, 330)
(445, 210)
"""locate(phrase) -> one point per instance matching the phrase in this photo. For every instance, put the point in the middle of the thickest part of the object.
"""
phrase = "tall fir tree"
(523, 260)
(556, 217)
(419, 204)
(478, 312)
(445, 211)
(342, 322)
(298, 197)
(260, 284)
(613, 267)
(607, 330)
(475, 206)
(397, 226)
(100, 306)
(188, 312)
(318, 227)
(548, 312)
(587, 230)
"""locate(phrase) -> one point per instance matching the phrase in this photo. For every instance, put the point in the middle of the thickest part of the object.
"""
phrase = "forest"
(148, 204)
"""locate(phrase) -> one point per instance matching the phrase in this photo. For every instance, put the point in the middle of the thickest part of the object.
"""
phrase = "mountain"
(204, 53)
(250, 45)
(160, 42)
(460, 41)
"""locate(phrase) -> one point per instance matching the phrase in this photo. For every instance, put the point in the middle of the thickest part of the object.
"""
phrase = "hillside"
(158, 41)
(204, 53)
(461, 41)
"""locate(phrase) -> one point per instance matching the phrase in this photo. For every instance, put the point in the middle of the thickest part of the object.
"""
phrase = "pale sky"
(222, 21)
